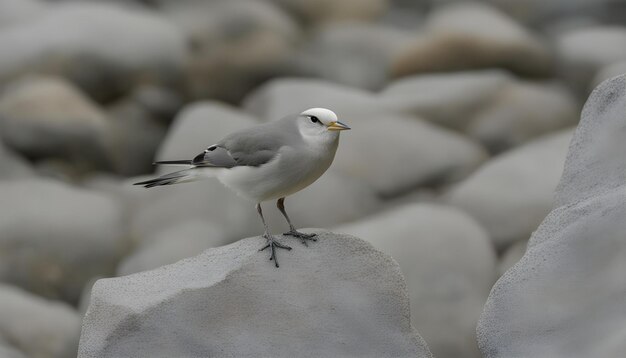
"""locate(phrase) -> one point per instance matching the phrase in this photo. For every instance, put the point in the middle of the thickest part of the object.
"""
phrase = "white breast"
(289, 172)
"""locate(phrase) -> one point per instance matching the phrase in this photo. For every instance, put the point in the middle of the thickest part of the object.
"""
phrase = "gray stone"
(284, 96)
(447, 99)
(608, 72)
(12, 166)
(564, 298)
(511, 256)
(68, 40)
(584, 51)
(339, 297)
(6, 351)
(235, 45)
(37, 327)
(53, 237)
(133, 138)
(449, 266)
(522, 111)
(353, 54)
(13, 12)
(48, 117)
(490, 105)
(395, 154)
(180, 241)
(323, 11)
(462, 36)
(510, 194)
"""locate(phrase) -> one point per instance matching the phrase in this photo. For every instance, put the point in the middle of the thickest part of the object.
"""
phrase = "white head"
(320, 123)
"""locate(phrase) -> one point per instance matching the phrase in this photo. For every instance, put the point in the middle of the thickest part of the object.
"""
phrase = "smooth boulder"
(510, 194)
(338, 297)
(54, 238)
(564, 298)
(46, 116)
(449, 266)
(37, 327)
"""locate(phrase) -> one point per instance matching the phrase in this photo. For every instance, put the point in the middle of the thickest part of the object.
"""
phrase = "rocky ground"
(464, 118)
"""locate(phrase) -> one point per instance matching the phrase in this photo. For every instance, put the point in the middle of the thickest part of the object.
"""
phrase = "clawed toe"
(302, 236)
(272, 244)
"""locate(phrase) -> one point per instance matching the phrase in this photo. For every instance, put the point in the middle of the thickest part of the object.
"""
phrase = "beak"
(338, 126)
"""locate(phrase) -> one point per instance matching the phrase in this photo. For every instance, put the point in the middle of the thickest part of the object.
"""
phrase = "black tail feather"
(173, 162)
(167, 179)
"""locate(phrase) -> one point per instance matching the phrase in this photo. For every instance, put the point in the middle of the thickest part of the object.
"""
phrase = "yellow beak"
(338, 126)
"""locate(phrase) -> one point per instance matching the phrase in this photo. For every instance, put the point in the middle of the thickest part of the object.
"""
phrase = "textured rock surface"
(513, 192)
(339, 297)
(37, 327)
(53, 237)
(565, 297)
(449, 265)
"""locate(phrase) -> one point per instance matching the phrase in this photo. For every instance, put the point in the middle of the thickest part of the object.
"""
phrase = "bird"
(269, 161)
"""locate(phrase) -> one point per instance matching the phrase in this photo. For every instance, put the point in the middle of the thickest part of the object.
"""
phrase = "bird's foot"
(302, 236)
(272, 244)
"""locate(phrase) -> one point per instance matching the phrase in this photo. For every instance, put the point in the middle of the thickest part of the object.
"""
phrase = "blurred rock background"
(462, 113)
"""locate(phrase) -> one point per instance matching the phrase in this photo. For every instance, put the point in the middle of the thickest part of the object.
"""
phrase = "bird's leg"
(272, 244)
(280, 203)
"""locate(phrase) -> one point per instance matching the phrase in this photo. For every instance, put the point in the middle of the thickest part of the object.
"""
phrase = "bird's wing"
(252, 146)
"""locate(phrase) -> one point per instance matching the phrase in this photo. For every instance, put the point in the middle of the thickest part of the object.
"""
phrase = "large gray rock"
(37, 327)
(70, 38)
(449, 266)
(513, 192)
(339, 297)
(46, 117)
(53, 237)
(565, 297)
(473, 35)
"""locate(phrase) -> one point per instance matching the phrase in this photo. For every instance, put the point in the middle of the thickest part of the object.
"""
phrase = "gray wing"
(252, 146)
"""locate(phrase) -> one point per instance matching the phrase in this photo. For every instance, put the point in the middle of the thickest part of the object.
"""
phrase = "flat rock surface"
(338, 297)
(565, 297)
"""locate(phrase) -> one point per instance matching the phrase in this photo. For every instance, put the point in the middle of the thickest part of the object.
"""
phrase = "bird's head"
(320, 122)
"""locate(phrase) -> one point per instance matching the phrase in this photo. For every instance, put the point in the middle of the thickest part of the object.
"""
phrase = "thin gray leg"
(280, 203)
(272, 244)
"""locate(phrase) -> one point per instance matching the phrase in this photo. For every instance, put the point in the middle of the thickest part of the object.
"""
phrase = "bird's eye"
(314, 119)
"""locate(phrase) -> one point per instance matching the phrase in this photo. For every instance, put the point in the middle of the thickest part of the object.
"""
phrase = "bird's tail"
(181, 176)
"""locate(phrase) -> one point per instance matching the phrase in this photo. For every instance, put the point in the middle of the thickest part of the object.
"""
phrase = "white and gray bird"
(267, 162)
